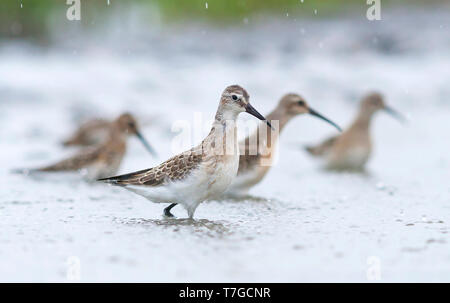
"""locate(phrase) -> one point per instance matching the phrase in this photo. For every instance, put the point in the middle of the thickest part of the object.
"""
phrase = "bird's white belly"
(354, 158)
(225, 173)
(358, 156)
(202, 184)
(243, 182)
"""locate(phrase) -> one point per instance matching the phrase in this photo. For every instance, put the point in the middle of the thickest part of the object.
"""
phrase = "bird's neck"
(278, 118)
(264, 140)
(363, 120)
(222, 139)
(116, 134)
(223, 115)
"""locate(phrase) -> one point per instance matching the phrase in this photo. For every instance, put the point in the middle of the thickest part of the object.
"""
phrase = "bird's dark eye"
(301, 103)
(234, 97)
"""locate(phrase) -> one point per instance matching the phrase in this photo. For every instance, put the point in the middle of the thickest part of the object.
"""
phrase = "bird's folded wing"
(84, 134)
(174, 169)
(249, 154)
(323, 148)
(78, 161)
(248, 158)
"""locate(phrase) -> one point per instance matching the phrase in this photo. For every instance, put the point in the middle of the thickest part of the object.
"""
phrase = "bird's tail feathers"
(314, 150)
(21, 171)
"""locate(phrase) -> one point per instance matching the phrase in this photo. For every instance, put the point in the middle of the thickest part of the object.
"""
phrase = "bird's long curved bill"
(146, 144)
(252, 111)
(320, 116)
(395, 114)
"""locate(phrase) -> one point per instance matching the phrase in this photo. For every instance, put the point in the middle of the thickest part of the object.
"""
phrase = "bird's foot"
(168, 214)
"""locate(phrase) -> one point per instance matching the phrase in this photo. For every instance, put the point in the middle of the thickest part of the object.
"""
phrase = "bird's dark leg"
(167, 212)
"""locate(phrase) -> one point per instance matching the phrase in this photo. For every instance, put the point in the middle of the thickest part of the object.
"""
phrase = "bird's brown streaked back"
(92, 132)
(322, 148)
(175, 169)
(76, 162)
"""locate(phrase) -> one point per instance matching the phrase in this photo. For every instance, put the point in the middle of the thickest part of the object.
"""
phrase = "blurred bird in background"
(257, 152)
(352, 149)
(104, 159)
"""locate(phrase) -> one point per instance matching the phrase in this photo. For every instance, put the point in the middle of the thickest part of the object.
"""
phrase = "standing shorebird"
(201, 173)
(103, 160)
(257, 152)
(352, 149)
